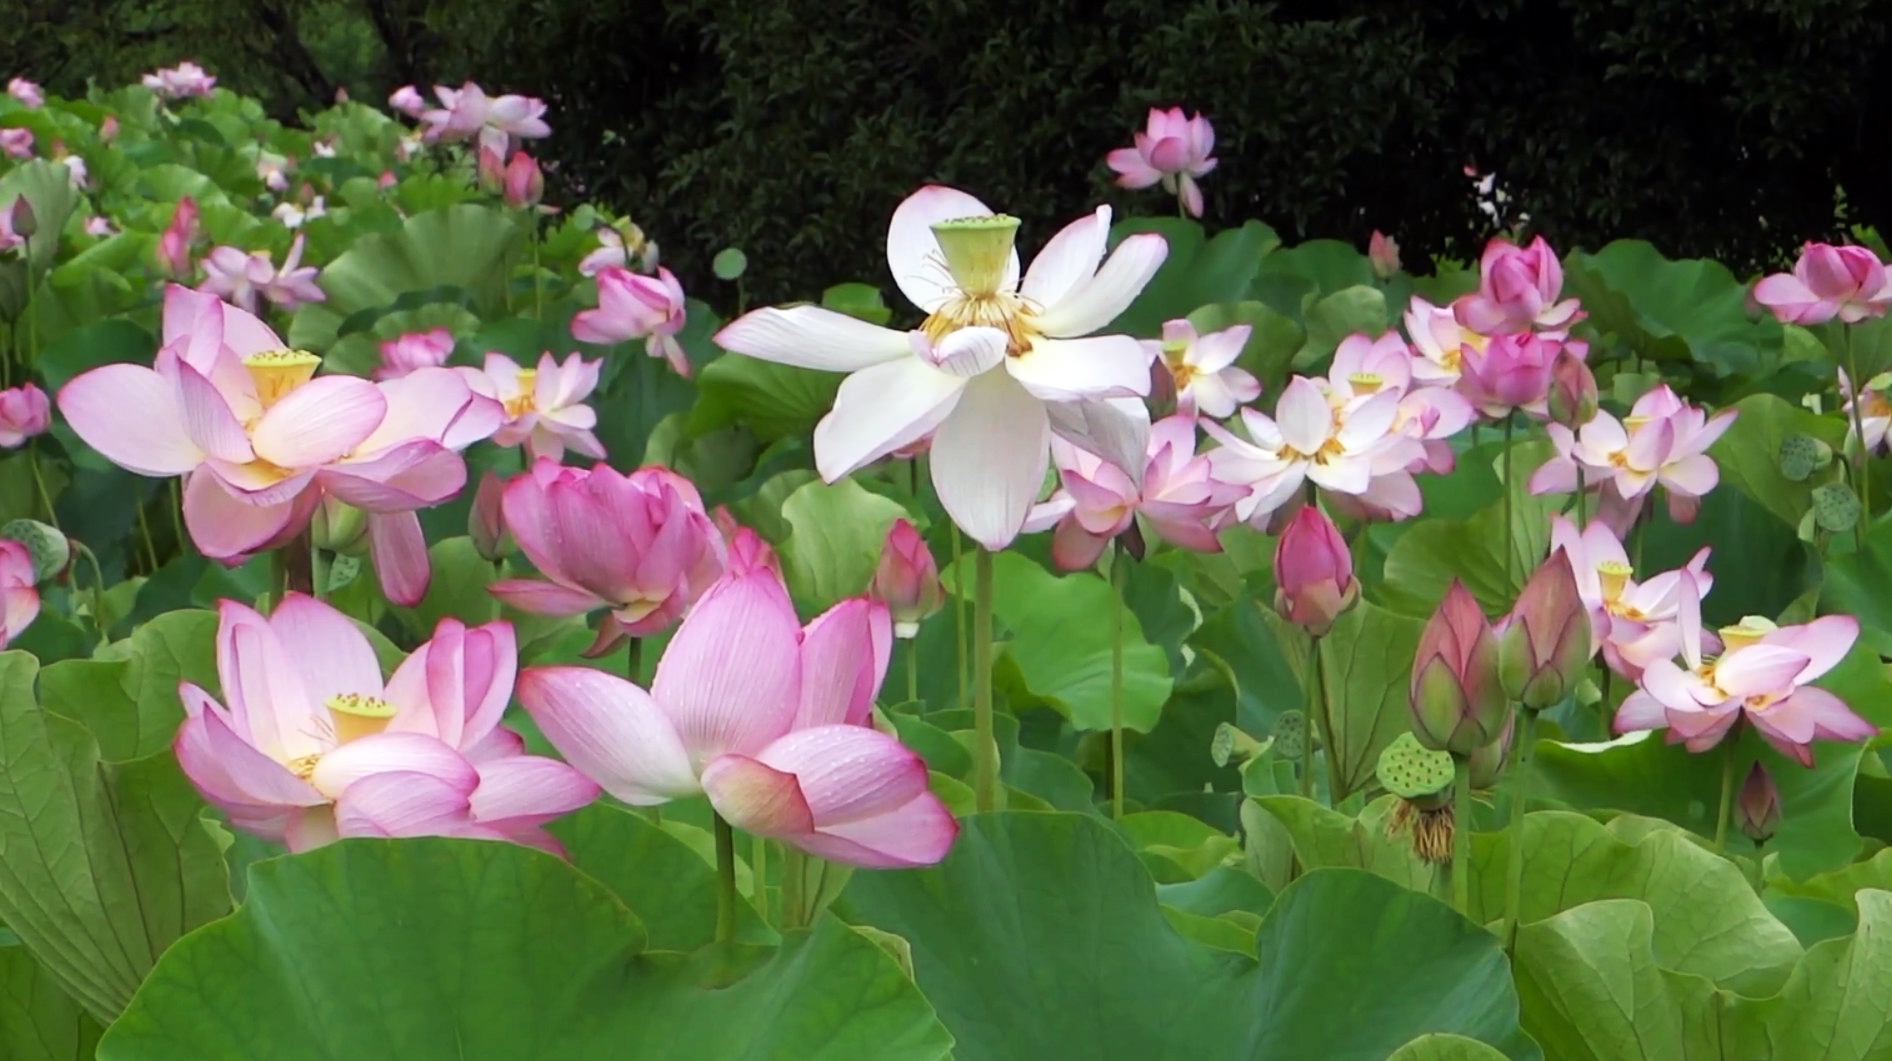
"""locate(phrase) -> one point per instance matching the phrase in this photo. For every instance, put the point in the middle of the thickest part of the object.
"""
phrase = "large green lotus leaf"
(1592, 987)
(1656, 304)
(106, 863)
(1708, 921)
(463, 951)
(1833, 1007)
(1749, 453)
(1366, 676)
(775, 401)
(460, 246)
(1040, 938)
(1326, 838)
(1273, 338)
(1445, 1047)
(1860, 583)
(38, 1020)
(838, 532)
(1359, 310)
(1842, 886)
(127, 697)
(1329, 264)
(47, 187)
(1425, 558)
(1058, 639)
(1196, 272)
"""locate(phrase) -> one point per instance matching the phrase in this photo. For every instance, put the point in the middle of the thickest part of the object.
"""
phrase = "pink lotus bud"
(1757, 809)
(907, 579)
(486, 521)
(17, 143)
(1313, 571)
(26, 92)
(1382, 252)
(24, 413)
(1572, 399)
(413, 351)
(492, 171)
(23, 221)
(1457, 700)
(525, 185)
(408, 100)
(1489, 761)
(174, 246)
(1512, 372)
(747, 549)
(1517, 291)
(1545, 641)
(1845, 282)
(387, 180)
(108, 129)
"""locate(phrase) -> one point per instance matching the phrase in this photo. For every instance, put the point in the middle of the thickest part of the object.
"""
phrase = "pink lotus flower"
(17, 143)
(108, 129)
(1512, 372)
(996, 369)
(100, 227)
(314, 746)
(1517, 291)
(767, 718)
(639, 256)
(1364, 367)
(1457, 699)
(1764, 675)
(181, 82)
(238, 277)
(1440, 342)
(75, 167)
(1573, 396)
(640, 545)
(414, 351)
(174, 246)
(907, 579)
(1180, 499)
(544, 407)
(1875, 414)
(467, 111)
(1845, 282)
(1663, 442)
(637, 307)
(1171, 149)
(523, 182)
(1313, 572)
(24, 413)
(486, 520)
(19, 590)
(26, 92)
(1632, 623)
(1203, 367)
(294, 215)
(491, 167)
(273, 170)
(1382, 253)
(408, 100)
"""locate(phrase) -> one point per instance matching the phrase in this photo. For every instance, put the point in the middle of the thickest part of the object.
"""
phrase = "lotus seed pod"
(1232, 745)
(1835, 508)
(50, 550)
(1413, 772)
(1287, 736)
(1802, 455)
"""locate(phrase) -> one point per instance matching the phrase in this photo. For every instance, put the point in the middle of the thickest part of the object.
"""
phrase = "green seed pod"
(1232, 745)
(1802, 455)
(50, 550)
(1413, 772)
(1287, 736)
(1835, 508)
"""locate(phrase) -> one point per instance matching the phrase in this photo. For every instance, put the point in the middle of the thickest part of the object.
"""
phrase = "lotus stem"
(39, 484)
(1727, 789)
(794, 870)
(725, 880)
(959, 615)
(1520, 802)
(1583, 500)
(1117, 570)
(1509, 530)
(1313, 704)
(985, 766)
(913, 669)
(759, 872)
(1462, 834)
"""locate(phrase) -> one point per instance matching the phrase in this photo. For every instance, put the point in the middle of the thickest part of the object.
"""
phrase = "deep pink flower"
(26, 92)
(17, 143)
(408, 100)
(1457, 699)
(1517, 291)
(415, 350)
(174, 246)
(1172, 149)
(24, 413)
(1512, 372)
(1845, 282)
(524, 183)
(1313, 572)
(631, 306)
(19, 590)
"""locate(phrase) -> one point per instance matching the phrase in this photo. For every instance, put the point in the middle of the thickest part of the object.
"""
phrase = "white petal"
(1092, 305)
(880, 409)
(914, 255)
(1118, 430)
(965, 353)
(812, 337)
(1070, 259)
(989, 458)
(1102, 366)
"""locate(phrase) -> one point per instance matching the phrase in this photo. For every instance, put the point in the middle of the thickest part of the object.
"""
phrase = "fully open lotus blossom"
(19, 590)
(1875, 415)
(467, 111)
(1172, 149)
(1382, 253)
(174, 245)
(238, 278)
(1440, 342)
(17, 143)
(765, 716)
(1512, 372)
(314, 746)
(1203, 367)
(1517, 291)
(1633, 623)
(408, 100)
(1544, 643)
(24, 413)
(1313, 572)
(413, 351)
(1363, 367)
(544, 406)
(26, 92)
(1845, 282)
(1179, 499)
(622, 244)
(1664, 441)
(182, 81)
(996, 368)
(640, 545)
(1352, 450)
(907, 579)
(1457, 698)
(637, 307)
(1764, 674)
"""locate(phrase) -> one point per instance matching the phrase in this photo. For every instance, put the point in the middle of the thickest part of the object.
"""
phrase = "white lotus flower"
(991, 429)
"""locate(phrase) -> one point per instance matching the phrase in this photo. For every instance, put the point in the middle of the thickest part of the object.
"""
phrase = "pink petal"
(230, 772)
(756, 798)
(730, 678)
(847, 773)
(319, 422)
(208, 419)
(1758, 670)
(400, 556)
(403, 803)
(1134, 171)
(1694, 476)
(1824, 641)
(153, 442)
(470, 676)
(380, 753)
(1828, 715)
(611, 731)
(328, 650)
(844, 655)
(411, 475)
(1640, 711)
(546, 598)
(1304, 417)
(529, 790)
(269, 705)
(920, 833)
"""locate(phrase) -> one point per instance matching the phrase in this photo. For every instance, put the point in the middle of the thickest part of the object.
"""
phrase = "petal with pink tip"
(611, 731)
(920, 833)
(1101, 299)
(1758, 670)
(1303, 416)
(913, 254)
(310, 828)
(546, 598)
(381, 753)
(269, 704)
(208, 419)
(529, 789)
(730, 678)
(1116, 429)
(1640, 711)
(403, 803)
(1694, 476)
(229, 770)
(328, 650)
(1831, 717)
(154, 442)
(411, 475)
(400, 556)
(844, 655)
(989, 458)
(473, 685)
(757, 799)
(1824, 641)
(881, 409)
(319, 422)
(848, 773)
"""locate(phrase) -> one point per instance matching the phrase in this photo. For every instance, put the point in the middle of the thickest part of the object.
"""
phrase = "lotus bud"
(1757, 810)
(1314, 572)
(1544, 643)
(1382, 252)
(525, 184)
(1572, 398)
(1458, 703)
(1488, 762)
(486, 521)
(50, 549)
(25, 222)
(907, 579)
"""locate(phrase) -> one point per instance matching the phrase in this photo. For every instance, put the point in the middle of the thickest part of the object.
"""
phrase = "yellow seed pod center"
(277, 372)
(357, 716)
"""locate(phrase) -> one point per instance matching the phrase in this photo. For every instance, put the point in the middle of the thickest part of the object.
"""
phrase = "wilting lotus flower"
(1203, 367)
(545, 406)
(766, 717)
(24, 413)
(1171, 149)
(1517, 291)
(17, 143)
(1545, 641)
(1764, 674)
(640, 545)
(1458, 702)
(1633, 623)
(996, 368)
(1382, 253)
(1512, 372)
(1757, 808)
(637, 307)
(181, 81)
(1440, 341)
(415, 350)
(1875, 414)
(174, 246)
(238, 277)
(19, 590)
(622, 244)
(524, 183)
(907, 579)
(26, 92)
(1845, 282)
(1313, 572)
(314, 746)
(408, 100)
(467, 111)
(1180, 499)
(1663, 442)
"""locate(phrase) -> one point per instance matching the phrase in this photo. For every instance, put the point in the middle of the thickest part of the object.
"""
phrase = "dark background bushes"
(790, 128)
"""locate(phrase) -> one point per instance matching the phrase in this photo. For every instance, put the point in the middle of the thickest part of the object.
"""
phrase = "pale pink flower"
(1845, 282)
(415, 350)
(545, 406)
(630, 306)
(408, 100)
(100, 227)
(181, 81)
(75, 168)
(1203, 367)
(1382, 253)
(1632, 623)
(17, 142)
(1518, 288)
(174, 245)
(640, 257)
(1363, 367)
(274, 171)
(1663, 442)
(295, 215)
(19, 590)
(1440, 342)
(1171, 149)
(24, 413)
(467, 111)
(238, 277)
(26, 92)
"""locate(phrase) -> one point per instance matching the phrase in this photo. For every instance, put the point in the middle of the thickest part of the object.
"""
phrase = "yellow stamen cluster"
(520, 404)
(277, 372)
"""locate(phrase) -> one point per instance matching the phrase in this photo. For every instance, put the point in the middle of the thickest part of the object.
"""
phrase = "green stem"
(985, 766)
(1520, 801)
(144, 532)
(913, 669)
(1117, 571)
(1861, 481)
(1757, 877)
(319, 563)
(1462, 834)
(647, 390)
(634, 661)
(959, 615)
(1308, 711)
(759, 872)
(794, 872)
(278, 578)
(39, 484)
(538, 275)
(177, 513)
(1509, 529)
(1728, 744)
(725, 880)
